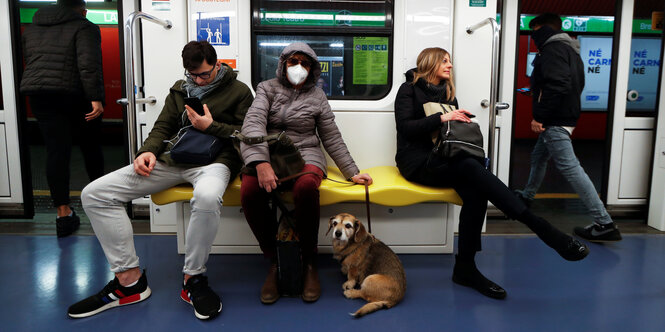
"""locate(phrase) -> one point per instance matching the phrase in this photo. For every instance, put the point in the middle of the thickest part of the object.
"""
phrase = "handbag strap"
(256, 139)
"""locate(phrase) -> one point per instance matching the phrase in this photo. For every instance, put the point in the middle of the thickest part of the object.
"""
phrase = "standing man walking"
(64, 82)
(557, 81)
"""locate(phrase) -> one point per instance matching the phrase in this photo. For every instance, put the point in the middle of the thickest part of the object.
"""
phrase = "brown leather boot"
(269, 291)
(311, 287)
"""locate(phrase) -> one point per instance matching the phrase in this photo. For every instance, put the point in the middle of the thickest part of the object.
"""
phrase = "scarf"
(195, 90)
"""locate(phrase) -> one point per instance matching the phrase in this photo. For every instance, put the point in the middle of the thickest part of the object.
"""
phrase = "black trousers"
(475, 185)
(61, 120)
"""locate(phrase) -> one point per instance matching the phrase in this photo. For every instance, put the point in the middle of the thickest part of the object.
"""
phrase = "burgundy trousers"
(263, 222)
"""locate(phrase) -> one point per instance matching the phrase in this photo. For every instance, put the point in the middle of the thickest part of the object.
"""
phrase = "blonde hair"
(428, 63)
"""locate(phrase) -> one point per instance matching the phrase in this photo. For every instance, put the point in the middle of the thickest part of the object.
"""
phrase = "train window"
(645, 60)
(353, 41)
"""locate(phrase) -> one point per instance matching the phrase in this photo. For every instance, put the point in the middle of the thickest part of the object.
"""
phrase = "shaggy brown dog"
(367, 262)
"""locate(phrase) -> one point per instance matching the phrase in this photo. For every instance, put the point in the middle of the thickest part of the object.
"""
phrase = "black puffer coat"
(557, 81)
(414, 129)
(62, 55)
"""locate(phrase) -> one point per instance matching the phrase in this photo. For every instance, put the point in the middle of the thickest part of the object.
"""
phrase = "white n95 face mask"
(296, 74)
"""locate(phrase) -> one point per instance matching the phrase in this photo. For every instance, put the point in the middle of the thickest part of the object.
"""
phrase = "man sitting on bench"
(225, 102)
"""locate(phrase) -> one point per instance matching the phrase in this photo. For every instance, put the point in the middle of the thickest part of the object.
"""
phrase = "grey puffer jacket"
(304, 115)
(63, 55)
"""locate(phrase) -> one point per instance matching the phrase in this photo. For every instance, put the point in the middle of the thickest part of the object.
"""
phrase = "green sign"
(477, 3)
(370, 60)
(323, 18)
(592, 24)
(97, 16)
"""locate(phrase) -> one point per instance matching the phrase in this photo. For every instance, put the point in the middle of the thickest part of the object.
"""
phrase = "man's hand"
(537, 127)
(199, 122)
(266, 176)
(362, 179)
(456, 115)
(97, 110)
(144, 163)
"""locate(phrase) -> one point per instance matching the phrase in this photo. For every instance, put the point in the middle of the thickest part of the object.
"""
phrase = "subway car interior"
(364, 49)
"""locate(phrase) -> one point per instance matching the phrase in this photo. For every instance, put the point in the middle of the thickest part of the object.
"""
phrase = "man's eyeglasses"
(295, 61)
(204, 75)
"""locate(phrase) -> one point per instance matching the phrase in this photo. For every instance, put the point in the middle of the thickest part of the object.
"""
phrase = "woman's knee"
(306, 187)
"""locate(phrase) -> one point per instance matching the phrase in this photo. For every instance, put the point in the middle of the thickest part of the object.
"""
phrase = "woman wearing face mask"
(432, 83)
(292, 103)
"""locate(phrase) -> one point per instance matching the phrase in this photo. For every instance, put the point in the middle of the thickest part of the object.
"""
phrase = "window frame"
(317, 31)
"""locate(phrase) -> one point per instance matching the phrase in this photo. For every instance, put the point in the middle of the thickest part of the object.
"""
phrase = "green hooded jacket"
(228, 104)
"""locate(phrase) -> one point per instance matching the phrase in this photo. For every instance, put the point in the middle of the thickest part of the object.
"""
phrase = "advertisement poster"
(645, 65)
(332, 75)
(216, 21)
(370, 60)
(596, 53)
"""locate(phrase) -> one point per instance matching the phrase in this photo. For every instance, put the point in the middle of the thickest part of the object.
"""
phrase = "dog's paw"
(350, 293)
(349, 284)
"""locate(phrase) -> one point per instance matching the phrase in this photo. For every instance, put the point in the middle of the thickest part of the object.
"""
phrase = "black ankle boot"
(567, 247)
(466, 273)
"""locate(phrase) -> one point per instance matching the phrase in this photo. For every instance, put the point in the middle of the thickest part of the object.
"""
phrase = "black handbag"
(285, 158)
(289, 257)
(195, 147)
(459, 139)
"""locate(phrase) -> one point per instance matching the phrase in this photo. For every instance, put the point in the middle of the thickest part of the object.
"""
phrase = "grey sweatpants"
(103, 201)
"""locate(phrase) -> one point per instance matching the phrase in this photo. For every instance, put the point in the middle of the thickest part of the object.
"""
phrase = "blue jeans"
(555, 143)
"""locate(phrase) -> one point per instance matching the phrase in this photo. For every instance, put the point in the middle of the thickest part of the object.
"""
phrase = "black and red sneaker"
(113, 295)
(204, 300)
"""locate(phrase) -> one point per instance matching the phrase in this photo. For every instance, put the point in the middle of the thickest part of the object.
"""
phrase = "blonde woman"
(431, 84)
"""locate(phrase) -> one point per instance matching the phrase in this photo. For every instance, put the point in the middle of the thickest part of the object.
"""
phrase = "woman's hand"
(266, 176)
(199, 122)
(362, 179)
(456, 115)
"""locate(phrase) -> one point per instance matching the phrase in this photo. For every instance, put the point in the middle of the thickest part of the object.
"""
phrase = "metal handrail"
(130, 100)
(493, 105)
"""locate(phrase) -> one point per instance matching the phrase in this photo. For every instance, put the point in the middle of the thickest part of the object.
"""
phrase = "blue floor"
(618, 287)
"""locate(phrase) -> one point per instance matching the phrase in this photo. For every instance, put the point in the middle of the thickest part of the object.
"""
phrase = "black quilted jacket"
(62, 55)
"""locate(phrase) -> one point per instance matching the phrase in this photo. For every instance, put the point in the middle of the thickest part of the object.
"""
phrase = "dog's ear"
(360, 234)
(330, 224)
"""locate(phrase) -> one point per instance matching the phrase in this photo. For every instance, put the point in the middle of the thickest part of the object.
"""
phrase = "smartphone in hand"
(525, 90)
(195, 104)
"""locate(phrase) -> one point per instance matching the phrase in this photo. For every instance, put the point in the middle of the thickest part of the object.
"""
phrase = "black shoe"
(573, 250)
(113, 295)
(599, 233)
(467, 274)
(197, 293)
(521, 197)
(65, 226)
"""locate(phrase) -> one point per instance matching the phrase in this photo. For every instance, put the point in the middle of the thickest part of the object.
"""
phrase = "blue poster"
(215, 30)
(596, 53)
(644, 68)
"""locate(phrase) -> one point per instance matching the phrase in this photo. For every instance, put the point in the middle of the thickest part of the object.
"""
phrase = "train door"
(105, 16)
(593, 25)
(639, 64)
(13, 202)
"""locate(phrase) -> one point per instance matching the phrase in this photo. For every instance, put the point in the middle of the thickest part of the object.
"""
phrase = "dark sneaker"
(521, 197)
(65, 226)
(599, 233)
(573, 250)
(197, 293)
(113, 295)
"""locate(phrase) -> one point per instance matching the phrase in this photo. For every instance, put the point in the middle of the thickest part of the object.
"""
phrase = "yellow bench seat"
(389, 189)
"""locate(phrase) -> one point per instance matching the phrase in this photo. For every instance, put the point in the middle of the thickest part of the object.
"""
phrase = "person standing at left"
(63, 80)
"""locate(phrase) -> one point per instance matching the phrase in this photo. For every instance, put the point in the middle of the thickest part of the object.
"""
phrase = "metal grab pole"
(493, 105)
(130, 99)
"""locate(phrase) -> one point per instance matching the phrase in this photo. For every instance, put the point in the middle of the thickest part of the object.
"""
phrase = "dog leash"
(369, 221)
